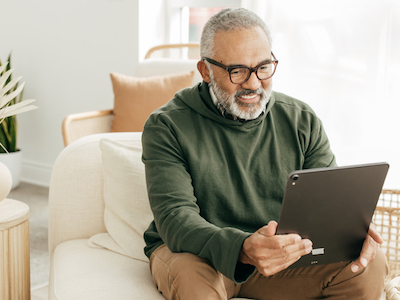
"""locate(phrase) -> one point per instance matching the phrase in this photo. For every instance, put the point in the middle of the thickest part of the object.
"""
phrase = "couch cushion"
(135, 98)
(80, 272)
(76, 202)
(127, 210)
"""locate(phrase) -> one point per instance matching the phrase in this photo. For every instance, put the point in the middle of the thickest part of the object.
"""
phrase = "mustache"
(244, 92)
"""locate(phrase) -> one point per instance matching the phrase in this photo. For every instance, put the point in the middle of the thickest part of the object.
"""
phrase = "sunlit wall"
(343, 58)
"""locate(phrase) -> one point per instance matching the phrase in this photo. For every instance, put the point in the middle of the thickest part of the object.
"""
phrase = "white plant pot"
(5, 181)
(13, 161)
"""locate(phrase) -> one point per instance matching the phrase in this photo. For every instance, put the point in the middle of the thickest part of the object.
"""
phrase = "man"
(217, 157)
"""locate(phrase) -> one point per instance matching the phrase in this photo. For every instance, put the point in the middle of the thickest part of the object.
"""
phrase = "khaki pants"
(185, 276)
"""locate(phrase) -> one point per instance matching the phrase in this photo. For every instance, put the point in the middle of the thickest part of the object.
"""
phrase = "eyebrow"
(238, 65)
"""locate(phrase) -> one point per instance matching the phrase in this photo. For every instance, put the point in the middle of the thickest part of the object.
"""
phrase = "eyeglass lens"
(265, 71)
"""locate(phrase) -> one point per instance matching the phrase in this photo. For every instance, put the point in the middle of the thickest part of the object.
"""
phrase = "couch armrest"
(76, 203)
(78, 125)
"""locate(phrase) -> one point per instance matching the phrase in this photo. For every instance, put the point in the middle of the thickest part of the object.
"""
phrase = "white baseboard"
(36, 173)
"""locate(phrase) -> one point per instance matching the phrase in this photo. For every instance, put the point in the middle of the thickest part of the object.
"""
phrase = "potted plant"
(11, 104)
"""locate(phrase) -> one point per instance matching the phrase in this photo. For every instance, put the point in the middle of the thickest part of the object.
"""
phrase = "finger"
(292, 252)
(281, 262)
(270, 231)
(368, 253)
(356, 265)
(375, 234)
(299, 249)
(278, 242)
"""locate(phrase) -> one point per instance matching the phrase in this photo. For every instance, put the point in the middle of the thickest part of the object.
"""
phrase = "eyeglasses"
(239, 74)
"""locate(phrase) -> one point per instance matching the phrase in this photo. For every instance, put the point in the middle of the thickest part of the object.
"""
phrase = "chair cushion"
(127, 210)
(136, 98)
(80, 272)
(165, 66)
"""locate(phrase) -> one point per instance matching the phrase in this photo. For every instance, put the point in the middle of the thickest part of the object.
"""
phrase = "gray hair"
(226, 20)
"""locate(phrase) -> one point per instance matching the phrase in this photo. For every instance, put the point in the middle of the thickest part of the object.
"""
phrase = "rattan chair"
(387, 221)
(78, 125)
(180, 51)
(393, 289)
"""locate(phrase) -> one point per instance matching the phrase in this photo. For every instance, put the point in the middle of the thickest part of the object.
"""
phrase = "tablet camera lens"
(295, 177)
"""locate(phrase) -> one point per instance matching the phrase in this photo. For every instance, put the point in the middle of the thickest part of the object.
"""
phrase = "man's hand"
(368, 250)
(271, 253)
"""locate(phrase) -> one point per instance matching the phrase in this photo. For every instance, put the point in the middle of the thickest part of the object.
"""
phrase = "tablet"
(333, 207)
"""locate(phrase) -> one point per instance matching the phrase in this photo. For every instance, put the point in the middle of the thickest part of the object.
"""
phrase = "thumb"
(271, 228)
(268, 230)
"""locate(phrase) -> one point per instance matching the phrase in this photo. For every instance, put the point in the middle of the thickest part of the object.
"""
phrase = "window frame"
(179, 23)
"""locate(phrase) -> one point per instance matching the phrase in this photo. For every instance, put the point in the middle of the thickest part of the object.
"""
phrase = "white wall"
(152, 25)
(65, 51)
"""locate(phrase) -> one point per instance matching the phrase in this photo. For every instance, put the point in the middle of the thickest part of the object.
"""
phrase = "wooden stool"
(14, 251)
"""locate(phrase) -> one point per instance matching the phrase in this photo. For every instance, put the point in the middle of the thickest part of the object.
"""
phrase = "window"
(193, 20)
(341, 57)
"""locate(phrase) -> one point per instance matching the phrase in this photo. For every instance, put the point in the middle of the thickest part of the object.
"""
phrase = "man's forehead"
(236, 31)
(242, 46)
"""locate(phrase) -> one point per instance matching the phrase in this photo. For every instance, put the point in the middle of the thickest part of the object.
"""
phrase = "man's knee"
(185, 274)
(379, 264)
(367, 283)
(372, 279)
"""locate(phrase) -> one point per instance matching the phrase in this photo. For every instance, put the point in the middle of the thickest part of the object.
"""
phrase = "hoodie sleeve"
(318, 153)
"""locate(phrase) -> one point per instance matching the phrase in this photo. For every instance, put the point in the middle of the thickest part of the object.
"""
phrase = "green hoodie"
(213, 181)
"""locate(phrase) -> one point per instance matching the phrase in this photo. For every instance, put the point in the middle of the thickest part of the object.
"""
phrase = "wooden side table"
(14, 251)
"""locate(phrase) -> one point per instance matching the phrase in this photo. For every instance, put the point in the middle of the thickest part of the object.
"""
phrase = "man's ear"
(204, 71)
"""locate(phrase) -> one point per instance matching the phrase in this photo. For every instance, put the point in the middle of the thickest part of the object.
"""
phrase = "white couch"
(79, 269)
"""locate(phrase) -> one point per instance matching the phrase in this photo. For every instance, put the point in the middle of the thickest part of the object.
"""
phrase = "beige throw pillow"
(135, 98)
(127, 210)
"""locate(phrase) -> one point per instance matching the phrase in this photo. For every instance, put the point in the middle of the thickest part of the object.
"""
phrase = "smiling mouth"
(251, 98)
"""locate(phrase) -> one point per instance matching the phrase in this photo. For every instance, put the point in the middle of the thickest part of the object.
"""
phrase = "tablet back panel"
(333, 207)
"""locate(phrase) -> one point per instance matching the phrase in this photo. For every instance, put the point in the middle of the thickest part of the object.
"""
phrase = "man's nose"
(252, 83)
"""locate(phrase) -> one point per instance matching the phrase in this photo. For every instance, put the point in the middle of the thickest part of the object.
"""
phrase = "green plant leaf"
(10, 104)
(4, 126)
(3, 138)
(13, 134)
(2, 68)
(8, 67)
(5, 77)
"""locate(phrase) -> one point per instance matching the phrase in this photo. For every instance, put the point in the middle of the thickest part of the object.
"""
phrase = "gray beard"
(245, 111)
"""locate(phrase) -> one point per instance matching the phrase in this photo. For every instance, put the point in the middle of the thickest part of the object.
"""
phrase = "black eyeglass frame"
(255, 69)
